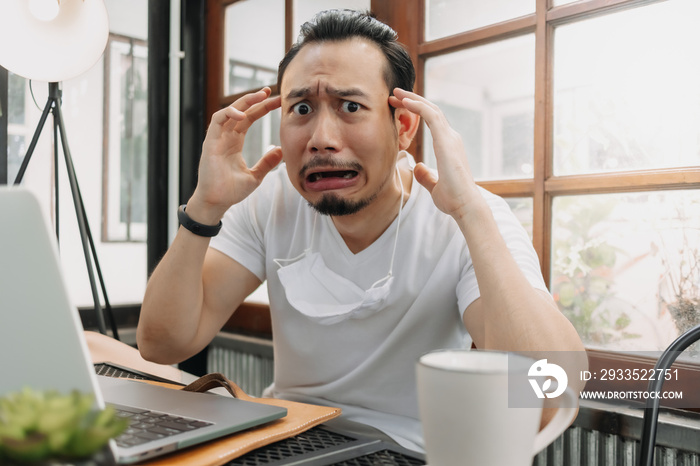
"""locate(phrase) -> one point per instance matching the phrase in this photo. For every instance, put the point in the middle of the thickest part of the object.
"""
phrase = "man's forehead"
(353, 67)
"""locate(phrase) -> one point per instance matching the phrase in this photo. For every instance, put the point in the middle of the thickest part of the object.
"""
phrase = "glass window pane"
(124, 189)
(304, 10)
(522, 208)
(487, 94)
(251, 52)
(18, 133)
(16, 95)
(626, 94)
(448, 17)
(16, 149)
(626, 267)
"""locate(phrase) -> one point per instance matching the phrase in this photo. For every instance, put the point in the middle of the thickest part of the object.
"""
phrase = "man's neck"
(363, 228)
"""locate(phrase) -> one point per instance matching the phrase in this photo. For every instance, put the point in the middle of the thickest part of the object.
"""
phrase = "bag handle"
(216, 380)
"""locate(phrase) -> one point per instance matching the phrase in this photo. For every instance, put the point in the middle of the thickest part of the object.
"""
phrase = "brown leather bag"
(300, 417)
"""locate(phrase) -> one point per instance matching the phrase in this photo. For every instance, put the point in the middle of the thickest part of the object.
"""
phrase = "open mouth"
(342, 174)
(331, 180)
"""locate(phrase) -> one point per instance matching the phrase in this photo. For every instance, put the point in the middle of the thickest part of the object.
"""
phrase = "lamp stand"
(53, 106)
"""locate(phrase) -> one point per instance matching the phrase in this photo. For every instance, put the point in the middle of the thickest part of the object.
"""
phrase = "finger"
(248, 100)
(443, 134)
(425, 176)
(408, 97)
(394, 102)
(236, 111)
(233, 113)
(222, 116)
(404, 94)
(425, 109)
(258, 111)
(266, 163)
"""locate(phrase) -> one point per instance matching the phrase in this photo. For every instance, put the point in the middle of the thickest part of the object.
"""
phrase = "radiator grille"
(585, 447)
(253, 373)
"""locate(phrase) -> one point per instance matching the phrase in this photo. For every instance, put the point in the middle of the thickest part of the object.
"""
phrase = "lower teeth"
(318, 176)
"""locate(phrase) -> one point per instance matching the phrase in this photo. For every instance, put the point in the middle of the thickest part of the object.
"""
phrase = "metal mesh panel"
(312, 440)
(382, 458)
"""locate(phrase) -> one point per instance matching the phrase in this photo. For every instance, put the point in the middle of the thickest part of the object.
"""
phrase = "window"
(17, 127)
(488, 95)
(125, 140)
(610, 113)
(448, 17)
(254, 65)
(606, 147)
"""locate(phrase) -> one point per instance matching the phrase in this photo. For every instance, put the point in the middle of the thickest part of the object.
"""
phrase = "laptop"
(42, 346)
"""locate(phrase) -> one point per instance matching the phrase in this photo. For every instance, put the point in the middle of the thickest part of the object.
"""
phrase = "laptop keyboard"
(146, 426)
(112, 371)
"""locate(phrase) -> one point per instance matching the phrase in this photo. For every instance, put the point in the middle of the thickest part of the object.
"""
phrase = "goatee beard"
(333, 205)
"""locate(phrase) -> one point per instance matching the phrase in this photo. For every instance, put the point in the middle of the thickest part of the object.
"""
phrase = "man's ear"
(406, 126)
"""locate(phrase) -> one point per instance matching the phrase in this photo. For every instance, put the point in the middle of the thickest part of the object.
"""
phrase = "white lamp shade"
(55, 50)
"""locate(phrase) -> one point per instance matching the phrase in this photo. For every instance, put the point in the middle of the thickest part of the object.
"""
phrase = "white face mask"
(326, 297)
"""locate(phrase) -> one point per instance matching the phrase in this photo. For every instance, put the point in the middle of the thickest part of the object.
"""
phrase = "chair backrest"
(651, 412)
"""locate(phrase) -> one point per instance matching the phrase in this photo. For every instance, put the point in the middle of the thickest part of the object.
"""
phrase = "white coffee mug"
(464, 409)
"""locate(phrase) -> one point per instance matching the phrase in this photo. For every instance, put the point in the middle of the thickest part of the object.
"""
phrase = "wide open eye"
(302, 108)
(350, 107)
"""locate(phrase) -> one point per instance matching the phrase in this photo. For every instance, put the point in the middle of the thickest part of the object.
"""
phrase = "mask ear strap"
(313, 233)
(396, 237)
(282, 262)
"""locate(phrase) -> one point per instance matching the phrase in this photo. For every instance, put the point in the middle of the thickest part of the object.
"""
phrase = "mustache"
(328, 163)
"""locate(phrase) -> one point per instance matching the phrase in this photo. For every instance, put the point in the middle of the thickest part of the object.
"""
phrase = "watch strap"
(197, 228)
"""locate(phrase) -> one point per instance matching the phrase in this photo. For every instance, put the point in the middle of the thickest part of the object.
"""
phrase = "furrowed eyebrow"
(305, 91)
(297, 93)
(351, 92)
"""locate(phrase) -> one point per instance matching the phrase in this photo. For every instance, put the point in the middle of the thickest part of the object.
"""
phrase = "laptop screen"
(41, 337)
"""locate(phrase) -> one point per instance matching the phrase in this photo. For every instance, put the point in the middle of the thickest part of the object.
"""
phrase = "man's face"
(338, 136)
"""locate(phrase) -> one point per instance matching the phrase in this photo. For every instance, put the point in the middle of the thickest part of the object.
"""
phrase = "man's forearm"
(512, 315)
(172, 304)
(520, 317)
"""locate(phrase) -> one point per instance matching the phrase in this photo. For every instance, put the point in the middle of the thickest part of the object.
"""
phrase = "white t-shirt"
(365, 366)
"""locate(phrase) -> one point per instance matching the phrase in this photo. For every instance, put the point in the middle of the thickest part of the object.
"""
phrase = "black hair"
(339, 25)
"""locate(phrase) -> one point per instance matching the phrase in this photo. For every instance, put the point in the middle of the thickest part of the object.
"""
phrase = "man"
(365, 254)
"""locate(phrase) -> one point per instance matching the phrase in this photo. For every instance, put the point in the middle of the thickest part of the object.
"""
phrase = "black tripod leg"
(80, 214)
(35, 139)
(57, 209)
(108, 307)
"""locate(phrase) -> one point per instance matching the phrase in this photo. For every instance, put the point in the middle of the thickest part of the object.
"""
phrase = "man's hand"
(224, 177)
(453, 187)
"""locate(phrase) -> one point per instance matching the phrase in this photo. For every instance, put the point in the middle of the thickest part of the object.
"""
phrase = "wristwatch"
(197, 228)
